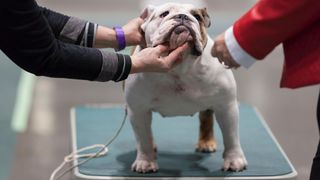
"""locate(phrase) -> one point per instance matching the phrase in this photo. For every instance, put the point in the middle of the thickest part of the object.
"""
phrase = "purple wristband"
(120, 38)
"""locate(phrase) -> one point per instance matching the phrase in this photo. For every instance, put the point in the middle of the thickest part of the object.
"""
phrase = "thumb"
(213, 51)
(144, 14)
(178, 52)
(176, 55)
(162, 48)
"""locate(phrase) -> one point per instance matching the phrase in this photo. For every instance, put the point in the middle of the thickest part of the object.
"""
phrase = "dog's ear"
(147, 12)
(146, 15)
(206, 17)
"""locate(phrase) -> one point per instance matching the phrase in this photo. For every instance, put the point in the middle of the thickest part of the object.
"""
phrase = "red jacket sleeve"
(271, 22)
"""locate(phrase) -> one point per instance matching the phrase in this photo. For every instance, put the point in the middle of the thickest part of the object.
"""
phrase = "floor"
(289, 113)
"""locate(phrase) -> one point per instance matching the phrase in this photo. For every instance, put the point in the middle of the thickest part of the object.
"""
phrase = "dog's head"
(176, 24)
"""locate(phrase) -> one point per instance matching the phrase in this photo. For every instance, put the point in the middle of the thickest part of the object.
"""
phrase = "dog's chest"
(174, 94)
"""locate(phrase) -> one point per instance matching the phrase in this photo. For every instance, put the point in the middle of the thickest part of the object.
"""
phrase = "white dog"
(199, 84)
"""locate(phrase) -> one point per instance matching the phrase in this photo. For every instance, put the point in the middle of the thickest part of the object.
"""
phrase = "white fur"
(197, 3)
(157, 28)
(198, 83)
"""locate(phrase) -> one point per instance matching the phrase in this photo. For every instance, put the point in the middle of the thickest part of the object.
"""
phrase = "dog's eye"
(164, 14)
(198, 17)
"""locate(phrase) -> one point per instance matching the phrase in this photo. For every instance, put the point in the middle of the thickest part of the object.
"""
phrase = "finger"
(178, 52)
(226, 66)
(234, 63)
(144, 14)
(140, 21)
(227, 63)
(220, 58)
(181, 49)
(231, 63)
(162, 48)
(176, 56)
(229, 67)
(214, 51)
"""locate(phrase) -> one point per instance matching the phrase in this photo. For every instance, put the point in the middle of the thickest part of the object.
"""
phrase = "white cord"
(75, 155)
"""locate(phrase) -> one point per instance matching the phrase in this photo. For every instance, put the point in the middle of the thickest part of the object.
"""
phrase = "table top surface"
(175, 138)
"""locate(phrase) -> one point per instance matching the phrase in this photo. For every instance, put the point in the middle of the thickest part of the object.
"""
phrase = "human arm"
(106, 37)
(267, 24)
(77, 31)
(28, 40)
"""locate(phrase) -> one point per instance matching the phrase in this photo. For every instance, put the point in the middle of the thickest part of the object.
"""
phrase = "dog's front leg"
(146, 155)
(227, 117)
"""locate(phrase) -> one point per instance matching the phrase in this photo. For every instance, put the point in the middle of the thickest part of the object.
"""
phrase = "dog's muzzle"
(182, 33)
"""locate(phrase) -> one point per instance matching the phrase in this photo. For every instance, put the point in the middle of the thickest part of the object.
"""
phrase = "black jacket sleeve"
(56, 20)
(29, 38)
(71, 29)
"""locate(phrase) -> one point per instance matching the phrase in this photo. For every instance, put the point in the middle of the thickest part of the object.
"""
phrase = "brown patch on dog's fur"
(206, 142)
(204, 23)
(206, 17)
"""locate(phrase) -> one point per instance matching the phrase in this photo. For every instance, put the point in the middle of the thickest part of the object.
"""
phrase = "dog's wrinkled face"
(176, 24)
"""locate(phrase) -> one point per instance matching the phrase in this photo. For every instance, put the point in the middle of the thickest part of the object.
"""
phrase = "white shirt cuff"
(236, 51)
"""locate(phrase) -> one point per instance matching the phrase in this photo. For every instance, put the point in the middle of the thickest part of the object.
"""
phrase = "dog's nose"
(182, 17)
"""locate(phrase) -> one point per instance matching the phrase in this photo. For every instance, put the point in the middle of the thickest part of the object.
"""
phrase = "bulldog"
(198, 84)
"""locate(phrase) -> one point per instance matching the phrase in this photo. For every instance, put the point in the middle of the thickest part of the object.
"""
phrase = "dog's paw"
(144, 166)
(206, 146)
(234, 161)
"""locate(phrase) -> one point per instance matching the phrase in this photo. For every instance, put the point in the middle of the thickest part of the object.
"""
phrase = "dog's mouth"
(180, 34)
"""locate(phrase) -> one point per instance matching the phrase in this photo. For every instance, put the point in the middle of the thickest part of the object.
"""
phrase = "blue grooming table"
(176, 138)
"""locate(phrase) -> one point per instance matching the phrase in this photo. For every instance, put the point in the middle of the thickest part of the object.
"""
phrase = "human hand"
(150, 59)
(220, 51)
(133, 33)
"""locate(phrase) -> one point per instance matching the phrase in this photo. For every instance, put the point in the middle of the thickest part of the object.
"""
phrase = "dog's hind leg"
(206, 142)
